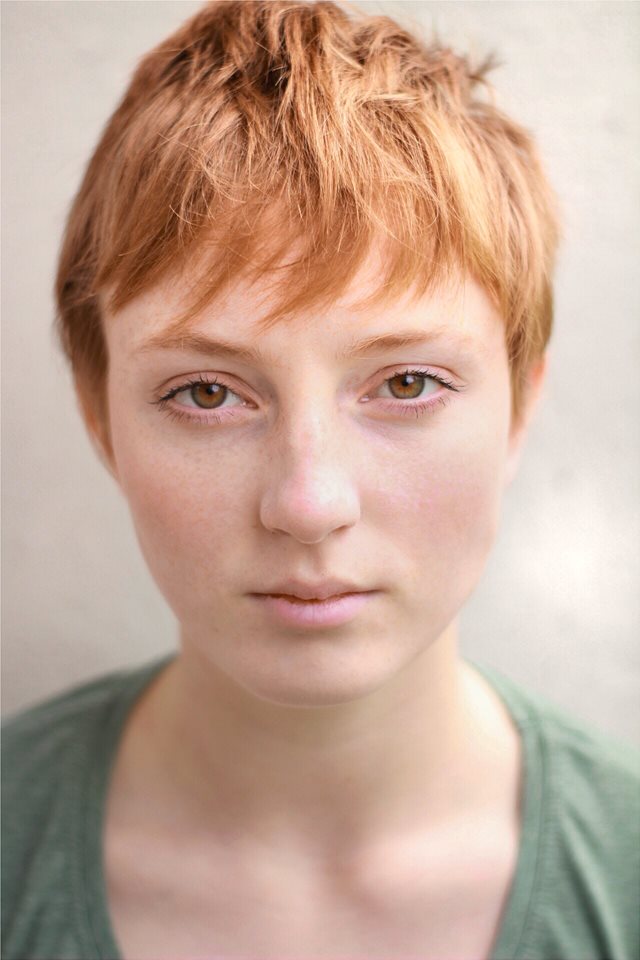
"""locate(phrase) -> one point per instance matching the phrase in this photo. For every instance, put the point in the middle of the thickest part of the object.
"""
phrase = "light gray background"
(558, 607)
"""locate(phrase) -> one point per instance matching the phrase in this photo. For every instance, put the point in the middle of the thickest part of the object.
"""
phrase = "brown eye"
(407, 386)
(208, 395)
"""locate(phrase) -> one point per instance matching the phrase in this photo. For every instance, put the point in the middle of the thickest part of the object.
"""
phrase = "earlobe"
(519, 428)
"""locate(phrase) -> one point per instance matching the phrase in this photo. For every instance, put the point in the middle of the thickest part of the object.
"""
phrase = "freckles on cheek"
(472, 481)
(462, 511)
(444, 509)
(183, 509)
(444, 505)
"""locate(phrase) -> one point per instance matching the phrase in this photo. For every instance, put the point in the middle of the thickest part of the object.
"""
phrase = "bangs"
(262, 128)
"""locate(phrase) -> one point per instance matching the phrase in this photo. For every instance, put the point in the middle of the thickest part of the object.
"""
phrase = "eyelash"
(417, 409)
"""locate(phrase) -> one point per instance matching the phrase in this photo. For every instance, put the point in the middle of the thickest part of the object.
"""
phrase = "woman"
(305, 290)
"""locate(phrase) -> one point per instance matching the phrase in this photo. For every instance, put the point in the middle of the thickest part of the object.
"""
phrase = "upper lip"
(314, 591)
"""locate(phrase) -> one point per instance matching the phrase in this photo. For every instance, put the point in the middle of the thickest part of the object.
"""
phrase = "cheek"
(442, 508)
(187, 510)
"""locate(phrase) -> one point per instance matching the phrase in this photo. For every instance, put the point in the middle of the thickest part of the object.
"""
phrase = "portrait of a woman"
(305, 289)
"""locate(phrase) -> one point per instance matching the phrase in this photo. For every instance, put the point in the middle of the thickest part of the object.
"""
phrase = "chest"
(165, 907)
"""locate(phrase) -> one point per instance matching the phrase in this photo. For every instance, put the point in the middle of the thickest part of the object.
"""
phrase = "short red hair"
(339, 128)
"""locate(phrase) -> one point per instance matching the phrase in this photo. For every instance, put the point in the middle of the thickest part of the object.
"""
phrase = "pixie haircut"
(265, 126)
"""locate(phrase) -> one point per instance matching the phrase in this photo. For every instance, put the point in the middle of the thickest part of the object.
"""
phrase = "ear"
(520, 427)
(95, 414)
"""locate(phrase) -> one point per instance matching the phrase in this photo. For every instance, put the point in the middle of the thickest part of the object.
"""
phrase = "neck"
(317, 779)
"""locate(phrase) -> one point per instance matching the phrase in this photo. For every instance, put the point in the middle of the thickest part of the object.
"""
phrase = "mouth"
(332, 611)
(328, 589)
(293, 599)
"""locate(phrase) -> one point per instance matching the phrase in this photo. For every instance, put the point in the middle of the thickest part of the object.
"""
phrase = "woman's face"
(312, 460)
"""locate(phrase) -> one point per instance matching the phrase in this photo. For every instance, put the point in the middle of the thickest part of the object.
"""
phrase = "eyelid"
(403, 369)
(194, 381)
(428, 374)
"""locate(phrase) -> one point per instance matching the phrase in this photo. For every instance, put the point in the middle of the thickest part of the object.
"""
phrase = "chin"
(318, 692)
(321, 673)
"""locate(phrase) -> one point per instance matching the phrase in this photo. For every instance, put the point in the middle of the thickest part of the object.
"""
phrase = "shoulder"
(55, 755)
(61, 710)
(593, 796)
(582, 809)
(41, 743)
(45, 752)
(52, 722)
(592, 793)
(37, 740)
(600, 767)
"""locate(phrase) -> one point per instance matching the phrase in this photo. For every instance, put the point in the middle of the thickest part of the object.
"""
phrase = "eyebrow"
(358, 349)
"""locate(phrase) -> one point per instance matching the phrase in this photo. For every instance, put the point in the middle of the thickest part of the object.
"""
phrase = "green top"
(575, 894)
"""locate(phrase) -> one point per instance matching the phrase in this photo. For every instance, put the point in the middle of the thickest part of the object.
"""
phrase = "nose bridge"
(309, 488)
(308, 423)
(308, 429)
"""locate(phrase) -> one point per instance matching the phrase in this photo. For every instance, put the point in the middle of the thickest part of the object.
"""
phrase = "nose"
(308, 489)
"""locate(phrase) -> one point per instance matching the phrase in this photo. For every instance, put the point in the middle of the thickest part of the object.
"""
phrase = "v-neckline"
(94, 920)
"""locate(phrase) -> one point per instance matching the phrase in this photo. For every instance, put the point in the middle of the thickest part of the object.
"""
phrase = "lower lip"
(331, 612)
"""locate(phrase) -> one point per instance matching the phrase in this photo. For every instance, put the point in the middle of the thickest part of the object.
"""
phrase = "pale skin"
(352, 792)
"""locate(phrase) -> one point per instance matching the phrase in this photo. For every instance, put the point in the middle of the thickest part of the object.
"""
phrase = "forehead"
(456, 311)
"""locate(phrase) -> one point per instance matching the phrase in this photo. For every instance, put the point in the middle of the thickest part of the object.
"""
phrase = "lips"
(320, 590)
(294, 599)
(297, 613)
